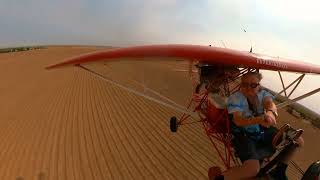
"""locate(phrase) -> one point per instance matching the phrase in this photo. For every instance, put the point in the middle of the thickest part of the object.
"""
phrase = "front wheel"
(173, 124)
(313, 172)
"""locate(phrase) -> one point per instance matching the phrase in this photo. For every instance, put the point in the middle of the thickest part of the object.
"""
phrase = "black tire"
(313, 172)
(173, 124)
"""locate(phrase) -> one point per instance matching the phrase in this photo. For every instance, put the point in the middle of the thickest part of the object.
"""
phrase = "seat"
(217, 119)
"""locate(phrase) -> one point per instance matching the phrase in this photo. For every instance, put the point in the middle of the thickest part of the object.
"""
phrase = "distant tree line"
(17, 49)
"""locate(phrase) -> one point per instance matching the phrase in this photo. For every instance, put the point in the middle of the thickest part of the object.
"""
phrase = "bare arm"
(266, 120)
(269, 104)
(269, 115)
(241, 121)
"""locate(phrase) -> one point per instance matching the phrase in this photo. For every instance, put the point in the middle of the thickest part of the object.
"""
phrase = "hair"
(256, 74)
(210, 72)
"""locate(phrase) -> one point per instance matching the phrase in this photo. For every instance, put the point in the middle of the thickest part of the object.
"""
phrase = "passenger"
(212, 81)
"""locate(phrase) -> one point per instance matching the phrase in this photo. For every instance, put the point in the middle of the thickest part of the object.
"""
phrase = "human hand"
(268, 120)
(271, 117)
(265, 123)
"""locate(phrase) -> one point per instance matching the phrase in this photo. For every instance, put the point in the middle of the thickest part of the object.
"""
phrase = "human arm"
(270, 109)
(268, 104)
(236, 106)
(239, 120)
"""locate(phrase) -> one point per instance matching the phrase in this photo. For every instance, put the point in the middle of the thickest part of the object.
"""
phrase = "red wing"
(213, 55)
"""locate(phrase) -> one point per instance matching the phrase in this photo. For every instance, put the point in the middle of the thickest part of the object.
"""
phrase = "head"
(210, 73)
(250, 83)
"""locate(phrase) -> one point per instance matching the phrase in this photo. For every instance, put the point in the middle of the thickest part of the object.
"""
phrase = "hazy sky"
(286, 28)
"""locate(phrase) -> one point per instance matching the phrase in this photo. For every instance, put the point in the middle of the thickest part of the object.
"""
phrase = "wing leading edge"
(214, 55)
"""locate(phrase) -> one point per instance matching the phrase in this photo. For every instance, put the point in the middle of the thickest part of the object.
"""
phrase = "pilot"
(254, 115)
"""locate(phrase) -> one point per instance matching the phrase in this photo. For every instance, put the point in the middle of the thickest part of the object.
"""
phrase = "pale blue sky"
(285, 28)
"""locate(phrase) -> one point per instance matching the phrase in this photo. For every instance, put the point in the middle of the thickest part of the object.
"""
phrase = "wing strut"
(146, 89)
(289, 101)
(284, 89)
(186, 111)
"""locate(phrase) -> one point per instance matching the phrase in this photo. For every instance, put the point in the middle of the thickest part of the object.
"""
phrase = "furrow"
(112, 134)
(53, 165)
(84, 154)
(37, 135)
(120, 142)
(76, 136)
(60, 154)
(133, 162)
(57, 97)
(48, 118)
(135, 149)
(107, 140)
(106, 173)
(22, 142)
(146, 139)
(96, 169)
(70, 168)
(171, 153)
(67, 143)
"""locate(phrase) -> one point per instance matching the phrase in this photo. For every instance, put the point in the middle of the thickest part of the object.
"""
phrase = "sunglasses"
(251, 85)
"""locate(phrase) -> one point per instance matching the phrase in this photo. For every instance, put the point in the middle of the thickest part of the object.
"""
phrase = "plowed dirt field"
(68, 124)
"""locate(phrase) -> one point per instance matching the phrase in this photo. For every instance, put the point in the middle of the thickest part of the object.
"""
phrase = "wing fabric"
(212, 55)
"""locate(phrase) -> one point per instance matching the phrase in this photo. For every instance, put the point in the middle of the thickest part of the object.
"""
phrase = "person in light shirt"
(254, 116)
(212, 80)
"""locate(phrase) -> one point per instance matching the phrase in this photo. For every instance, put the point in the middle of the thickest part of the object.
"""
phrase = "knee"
(252, 168)
(253, 171)
(300, 141)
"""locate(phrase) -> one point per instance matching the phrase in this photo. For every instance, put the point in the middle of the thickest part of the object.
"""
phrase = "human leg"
(246, 150)
(249, 169)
